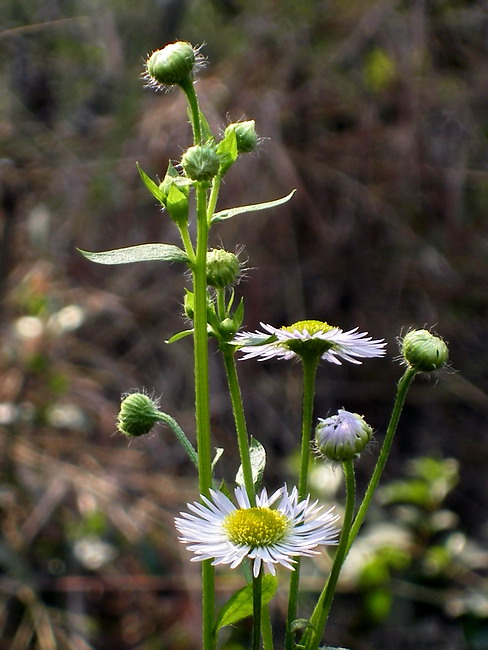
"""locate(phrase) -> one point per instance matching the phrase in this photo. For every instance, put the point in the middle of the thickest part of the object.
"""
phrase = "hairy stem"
(310, 366)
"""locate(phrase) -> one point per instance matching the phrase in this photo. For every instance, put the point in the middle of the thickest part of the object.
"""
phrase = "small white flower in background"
(342, 436)
(309, 338)
(225, 533)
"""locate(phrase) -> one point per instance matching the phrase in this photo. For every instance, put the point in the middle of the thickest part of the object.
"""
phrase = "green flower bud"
(246, 136)
(201, 162)
(222, 268)
(423, 351)
(137, 416)
(342, 436)
(173, 64)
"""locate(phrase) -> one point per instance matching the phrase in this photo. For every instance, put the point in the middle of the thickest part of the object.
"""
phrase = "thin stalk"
(180, 434)
(200, 343)
(214, 194)
(266, 629)
(221, 308)
(185, 237)
(202, 399)
(240, 421)
(310, 366)
(402, 389)
(191, 96)
(320, 615)
(257, 590)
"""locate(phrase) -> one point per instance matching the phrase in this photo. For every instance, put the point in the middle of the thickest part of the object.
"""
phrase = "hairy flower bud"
(246, 136)
(173, 64)
(201, 162)
(137, 416)
(423, 351)
(342, 436)
(222, 268)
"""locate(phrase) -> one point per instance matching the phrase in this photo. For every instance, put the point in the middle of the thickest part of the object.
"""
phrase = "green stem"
(185, 237)
(266, 629)
(402, 389)
(257, 590)
(214, 194)
(192, 99)
(240, 420)
(320, 615)
(200, 342)
(180, 434)
(310, 366)
(202, 399)
(221, 309)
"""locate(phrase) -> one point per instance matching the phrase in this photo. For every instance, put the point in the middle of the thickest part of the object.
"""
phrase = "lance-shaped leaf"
(240, 604)
(258, 463)
(151, 185)
(139, 253)
(232, 212)
(227, 151)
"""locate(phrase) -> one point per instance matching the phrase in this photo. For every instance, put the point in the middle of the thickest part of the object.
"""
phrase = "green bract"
(137, 416)
(246, 136)
(201, 162)
(222, 268)
(423, 351)
(171, 65)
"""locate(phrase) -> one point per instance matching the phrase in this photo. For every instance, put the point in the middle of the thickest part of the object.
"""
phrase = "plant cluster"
(242, 525)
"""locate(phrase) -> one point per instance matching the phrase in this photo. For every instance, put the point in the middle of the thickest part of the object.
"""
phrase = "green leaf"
(239, 314)
(301, 624)
(258, 463)
(206, 131)
(179, 335)
(150, 184)
(177, 205)
(227, 151)
(232, 212)
(140, 253)
(240, 604)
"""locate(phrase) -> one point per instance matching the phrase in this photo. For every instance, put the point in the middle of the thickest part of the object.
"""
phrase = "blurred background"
(376, 111)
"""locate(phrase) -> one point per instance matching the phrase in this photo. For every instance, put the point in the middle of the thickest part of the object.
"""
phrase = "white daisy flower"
(225, 533)
(309, 338)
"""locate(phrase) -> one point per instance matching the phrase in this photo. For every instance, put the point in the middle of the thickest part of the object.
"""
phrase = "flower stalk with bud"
(262, 534)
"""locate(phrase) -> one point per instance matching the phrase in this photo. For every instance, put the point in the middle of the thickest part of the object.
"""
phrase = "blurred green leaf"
(139, 253)
(240, 604)
(232, 212)
(258, 463)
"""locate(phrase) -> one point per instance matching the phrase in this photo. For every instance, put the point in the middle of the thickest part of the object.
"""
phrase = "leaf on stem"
(240, 604)
(258, 462)
(232, 212)
(151, 185)
(139, 253)
(179, 335)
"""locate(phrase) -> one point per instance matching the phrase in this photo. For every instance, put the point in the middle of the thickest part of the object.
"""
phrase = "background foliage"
(376, 113)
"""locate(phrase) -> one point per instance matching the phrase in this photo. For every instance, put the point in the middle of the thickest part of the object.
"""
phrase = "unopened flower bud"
(423, 351)
(222, 268)
(173, 64)
(201, 162)
(246, 136)
(137, 416)
(342, 436)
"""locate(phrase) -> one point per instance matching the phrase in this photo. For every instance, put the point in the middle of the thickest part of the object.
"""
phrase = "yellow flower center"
(311, 326)
(310, 348)
(256, 527)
